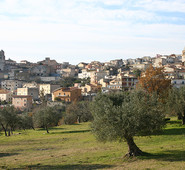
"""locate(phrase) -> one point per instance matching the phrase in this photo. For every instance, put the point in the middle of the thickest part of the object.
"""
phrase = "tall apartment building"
(34, 92)
(47, 88)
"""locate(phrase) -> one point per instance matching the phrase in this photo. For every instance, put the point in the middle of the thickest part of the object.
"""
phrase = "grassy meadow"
(74, 147)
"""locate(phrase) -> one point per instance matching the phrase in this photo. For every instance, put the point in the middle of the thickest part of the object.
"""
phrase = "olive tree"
(47, 117)
(176, 102)
(124, 115)
(26, 121)
(78, 112)
(8, 119)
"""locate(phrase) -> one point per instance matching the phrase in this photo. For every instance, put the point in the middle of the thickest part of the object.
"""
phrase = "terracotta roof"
(92, 85)
(3, 91)
(66, 89)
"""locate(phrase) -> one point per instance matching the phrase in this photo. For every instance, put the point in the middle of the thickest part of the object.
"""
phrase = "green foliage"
(137, 72)
(8, 119)
(25, 121)
(47, 117)
(67, 81)
(42, 98)
(176, 102)
(125, 115)
(78, 112)
(3, 102)
(58, 99)
(85, 81)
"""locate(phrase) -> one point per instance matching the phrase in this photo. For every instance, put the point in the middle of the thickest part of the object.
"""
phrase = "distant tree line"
(44, 117)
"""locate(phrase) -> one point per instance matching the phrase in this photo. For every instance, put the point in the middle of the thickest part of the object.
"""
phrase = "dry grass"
(74, 147)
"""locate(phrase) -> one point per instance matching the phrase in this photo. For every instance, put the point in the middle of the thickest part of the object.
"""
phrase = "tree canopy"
(176, 102)
(78, 112)
(47, 117)
(8, 119)
(153, 80)
(124, 115)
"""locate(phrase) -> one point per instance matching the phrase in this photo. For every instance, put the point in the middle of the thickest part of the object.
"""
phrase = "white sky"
(87, 30)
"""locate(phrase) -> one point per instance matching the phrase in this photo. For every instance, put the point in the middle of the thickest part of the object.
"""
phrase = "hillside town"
(24, 84)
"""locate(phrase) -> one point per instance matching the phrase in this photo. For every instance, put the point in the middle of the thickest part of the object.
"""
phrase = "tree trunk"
(8, 132)
(133, 150)
(4, 129)
(47, 129)
(183, 119)
(79, 119)
(12, 130)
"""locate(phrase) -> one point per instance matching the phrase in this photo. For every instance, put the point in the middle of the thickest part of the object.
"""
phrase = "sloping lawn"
(74, 147)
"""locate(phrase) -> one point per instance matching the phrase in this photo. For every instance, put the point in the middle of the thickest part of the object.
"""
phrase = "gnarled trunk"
(183, 119)
(133, 150)
(9, 132)
(4, 129)
(79, 119)
(47, 129)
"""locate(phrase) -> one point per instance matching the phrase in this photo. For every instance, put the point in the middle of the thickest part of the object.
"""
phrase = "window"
(174, 82)
(182, 82)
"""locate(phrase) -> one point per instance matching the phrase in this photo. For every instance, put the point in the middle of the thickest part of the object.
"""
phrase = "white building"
(85, 74)
(178, 82)
(5, 95)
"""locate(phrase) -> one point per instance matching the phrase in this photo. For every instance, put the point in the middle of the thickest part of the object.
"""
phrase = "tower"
(183, 55)
(2, 60)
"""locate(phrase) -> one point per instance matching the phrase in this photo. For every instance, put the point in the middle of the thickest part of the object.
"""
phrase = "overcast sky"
(87, 30)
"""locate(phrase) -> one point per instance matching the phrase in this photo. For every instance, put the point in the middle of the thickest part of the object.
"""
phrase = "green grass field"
(74, 147)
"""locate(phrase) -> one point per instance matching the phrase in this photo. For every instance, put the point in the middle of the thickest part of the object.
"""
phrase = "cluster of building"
(23, 83)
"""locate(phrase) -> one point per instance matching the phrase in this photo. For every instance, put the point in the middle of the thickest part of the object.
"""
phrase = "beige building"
(115, 84)
(141, 66)
(103, 83)
(82, 65)
(94, 88)
(22, 102)
(159, 62)
(47, 88)
(97, 75)
(5, 95)
(68, 72)
(34, 92)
